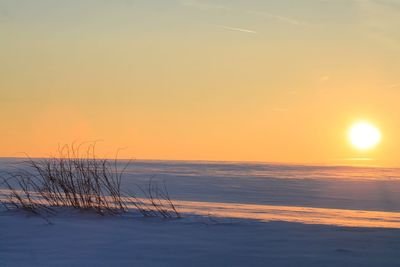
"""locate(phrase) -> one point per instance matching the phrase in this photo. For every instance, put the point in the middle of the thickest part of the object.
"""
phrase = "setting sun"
(364, 135)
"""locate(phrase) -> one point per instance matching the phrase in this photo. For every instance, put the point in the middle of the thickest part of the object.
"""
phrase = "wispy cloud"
(379, 20)
(237, 29)
(280, 18)
(199, 4)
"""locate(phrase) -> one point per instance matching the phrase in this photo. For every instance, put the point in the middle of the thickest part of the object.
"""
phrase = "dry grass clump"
(82, 181)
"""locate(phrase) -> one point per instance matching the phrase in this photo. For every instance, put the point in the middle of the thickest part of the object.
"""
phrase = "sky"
(273, 81)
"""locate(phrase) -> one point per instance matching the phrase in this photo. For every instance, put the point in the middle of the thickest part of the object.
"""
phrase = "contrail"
(237, 29)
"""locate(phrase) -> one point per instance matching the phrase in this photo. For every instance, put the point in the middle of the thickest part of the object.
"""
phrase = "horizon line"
(293, 163)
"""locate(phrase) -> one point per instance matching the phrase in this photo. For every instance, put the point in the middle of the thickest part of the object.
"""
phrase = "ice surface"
(221, 202)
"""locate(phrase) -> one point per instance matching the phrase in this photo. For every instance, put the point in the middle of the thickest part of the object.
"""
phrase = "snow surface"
(236, 214)
(90, 240)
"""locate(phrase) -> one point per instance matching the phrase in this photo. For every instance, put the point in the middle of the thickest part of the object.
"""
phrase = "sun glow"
(364, 135)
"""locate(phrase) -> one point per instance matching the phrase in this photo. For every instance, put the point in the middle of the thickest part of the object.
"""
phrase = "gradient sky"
(277, 80)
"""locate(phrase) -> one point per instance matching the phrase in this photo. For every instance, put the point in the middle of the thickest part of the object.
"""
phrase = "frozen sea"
(339, 187)
(235, 214)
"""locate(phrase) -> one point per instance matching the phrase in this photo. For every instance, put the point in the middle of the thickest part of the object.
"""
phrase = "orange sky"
(207, 80)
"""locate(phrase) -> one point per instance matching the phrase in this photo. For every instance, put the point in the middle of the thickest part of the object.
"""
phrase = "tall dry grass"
(77, 178)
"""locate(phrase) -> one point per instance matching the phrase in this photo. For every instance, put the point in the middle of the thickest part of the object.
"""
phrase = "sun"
(363, 135)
